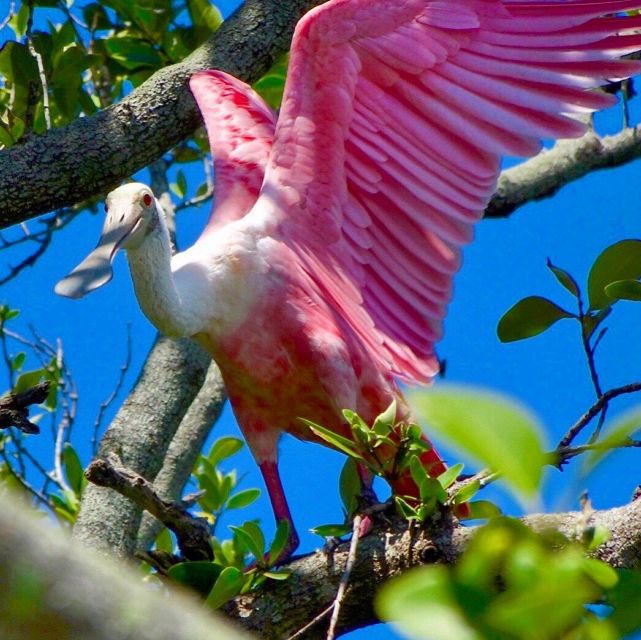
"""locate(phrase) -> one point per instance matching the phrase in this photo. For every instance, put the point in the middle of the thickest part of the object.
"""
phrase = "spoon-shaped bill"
(95, 270)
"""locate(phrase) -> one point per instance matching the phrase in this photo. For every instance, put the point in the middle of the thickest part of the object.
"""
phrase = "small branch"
(342, 587)
(14, 408)
(594, 410)
(192, 533)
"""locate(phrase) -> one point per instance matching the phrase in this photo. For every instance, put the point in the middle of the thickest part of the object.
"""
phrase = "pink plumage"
(386, 151)
(326, 268)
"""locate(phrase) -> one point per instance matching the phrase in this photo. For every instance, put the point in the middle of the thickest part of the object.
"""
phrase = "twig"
(335, 607)
(12, 10)
(564, 454)
(112, 396)
(342, 587)
(41, 68)
(14, 408)
(594, 410)
(192, 533)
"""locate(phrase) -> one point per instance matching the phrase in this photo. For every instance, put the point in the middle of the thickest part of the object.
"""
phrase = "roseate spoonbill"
(324, 272)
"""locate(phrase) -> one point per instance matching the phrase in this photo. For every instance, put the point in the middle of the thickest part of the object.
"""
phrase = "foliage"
(512, 583)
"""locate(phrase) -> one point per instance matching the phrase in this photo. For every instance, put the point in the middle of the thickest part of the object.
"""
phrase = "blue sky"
(504, 263)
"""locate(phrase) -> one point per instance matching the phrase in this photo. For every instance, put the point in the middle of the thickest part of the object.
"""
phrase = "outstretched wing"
(240, 127)
(387, 148)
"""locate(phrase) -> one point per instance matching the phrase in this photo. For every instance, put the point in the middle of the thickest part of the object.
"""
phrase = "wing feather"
(240, 127)
(395, 116)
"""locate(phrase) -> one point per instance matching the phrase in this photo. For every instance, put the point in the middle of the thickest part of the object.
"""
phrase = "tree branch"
(193, 534)
(52, 588)
(140, 435)
(278, 610)
(184, 449)
(568, 160)
(14, 408)
(92, 155)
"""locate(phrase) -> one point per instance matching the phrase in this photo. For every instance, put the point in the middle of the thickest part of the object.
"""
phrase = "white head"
(132, 213)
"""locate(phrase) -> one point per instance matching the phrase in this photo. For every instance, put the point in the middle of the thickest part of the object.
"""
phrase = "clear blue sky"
(505, 262)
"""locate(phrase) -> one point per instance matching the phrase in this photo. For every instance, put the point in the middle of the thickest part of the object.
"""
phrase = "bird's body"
(324, 272)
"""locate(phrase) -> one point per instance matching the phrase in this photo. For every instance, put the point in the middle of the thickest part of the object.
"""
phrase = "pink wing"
(240, 127)
(389, 139)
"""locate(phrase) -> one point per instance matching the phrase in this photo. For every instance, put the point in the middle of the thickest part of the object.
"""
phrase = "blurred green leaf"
(617, 434)
(277, 575)
(565, 279)
(18, 361)
(206, 18)
(624, 597)
(272, 84)
(466, 492)
(620, 261)
(19, 20)
(228, 585)
(200, 576)
(529, 317)
(243, 499)
(624, 290)
(422, 604)
(489, 427)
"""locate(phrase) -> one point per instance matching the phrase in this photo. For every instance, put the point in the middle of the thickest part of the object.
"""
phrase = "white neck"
(155, 285)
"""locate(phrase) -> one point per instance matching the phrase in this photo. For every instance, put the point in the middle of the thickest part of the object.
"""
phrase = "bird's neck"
(156, 288)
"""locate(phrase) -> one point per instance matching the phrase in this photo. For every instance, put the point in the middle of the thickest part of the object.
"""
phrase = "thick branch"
(140, 434)
(92, 155)
(193, 534)
(14, 408)
(279, 609)
(185, 448)
(569, 160)
(53, 588)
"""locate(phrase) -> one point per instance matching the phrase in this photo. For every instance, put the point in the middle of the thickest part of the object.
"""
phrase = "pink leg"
(279, 506)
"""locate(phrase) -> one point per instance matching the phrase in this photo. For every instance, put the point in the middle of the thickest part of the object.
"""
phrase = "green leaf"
(421, 602)
(252, 537)
(596, 536)
(243, 499)
(349, 486)
(229, 583)
(565, 279)
(529, 317)
(339, 442)
(332, 530)
(19, 21)
(466, 492)
(224, 448)
(200, 576)
(483, 510)
(272, 84)
(618, 434)
(280, 541)
(624, 597)
(624, 290)
(620, 261)
(73, 469)
(384, 422)
(277, 575)
(18, 361)
(29, 379)
(448, 477)
(488, 427)
(164, 541)
(133, 53)
(206, 18)
(603, 574)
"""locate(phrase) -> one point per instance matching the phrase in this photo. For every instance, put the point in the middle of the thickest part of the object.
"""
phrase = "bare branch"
(193, 534)
(14, 408)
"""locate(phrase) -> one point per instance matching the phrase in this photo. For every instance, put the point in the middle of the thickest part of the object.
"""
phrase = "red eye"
(147, 199)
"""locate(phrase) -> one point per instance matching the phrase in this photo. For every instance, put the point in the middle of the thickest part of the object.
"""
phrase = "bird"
(321, 280)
